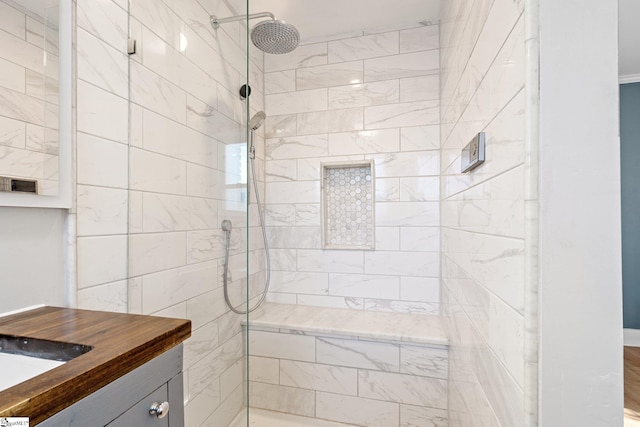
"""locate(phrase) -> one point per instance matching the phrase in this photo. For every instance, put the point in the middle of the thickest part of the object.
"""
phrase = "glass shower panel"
(187, 163)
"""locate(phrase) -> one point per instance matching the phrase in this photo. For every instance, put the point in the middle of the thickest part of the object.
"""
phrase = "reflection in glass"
(29, 92)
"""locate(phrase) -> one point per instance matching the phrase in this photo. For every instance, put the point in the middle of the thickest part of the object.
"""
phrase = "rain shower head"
(275, 36)
(257, 120)
(270, 36)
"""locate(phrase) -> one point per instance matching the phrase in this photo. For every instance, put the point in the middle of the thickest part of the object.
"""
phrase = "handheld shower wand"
(256, 121)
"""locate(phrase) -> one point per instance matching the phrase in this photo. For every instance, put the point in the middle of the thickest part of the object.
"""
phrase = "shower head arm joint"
(215, 22)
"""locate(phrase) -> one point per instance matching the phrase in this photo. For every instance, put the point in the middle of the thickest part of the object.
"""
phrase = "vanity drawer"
(139, 415)
(126, 401)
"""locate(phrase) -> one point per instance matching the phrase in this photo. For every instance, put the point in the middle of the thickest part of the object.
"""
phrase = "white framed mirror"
(35, 103)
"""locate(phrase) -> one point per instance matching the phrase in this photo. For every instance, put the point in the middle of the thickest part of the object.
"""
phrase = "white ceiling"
(319, 19)
(629, 35)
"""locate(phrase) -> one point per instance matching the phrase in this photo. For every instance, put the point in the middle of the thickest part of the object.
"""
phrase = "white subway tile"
(282, 346)
(206, 307)
(414, 416)
(101, 260)
(170, 287)
(205, 119)
(402, 66)
(300, 282)
(101, 162)
(407, 164)
(104, 20)
(367, 286)
(102, 114)
(348, 119)
(151, 91)
(160, 19)
(154, 172)
(323, 76)
(356, 411)
(364, 142)
(420, 239)
(175, 213)
(422, 88)
(297, 102)
(102, 65)
(101, 211)
(402, 263)
(165, 136)
(282, 215)
(421, 38)
(302, 56)
(109, 297)
(364, 94)
(308, 214)
(400, 388)
(12, 133)
(333, 261)
(12, 76)
(358, 354)
(231, 379)
(425, 289)
(371, 46)
(420, 138)
(293, 192)
(279, 82)
(387, 238)
(290, 400)
(203, 340)
(331, 302)
(419, 189)
(264, 369)
(149, 253)
(424, 361)
(12, 21)
(407, 214)
(319, 377)
(204, 374)
(280, 126)
(399, 115)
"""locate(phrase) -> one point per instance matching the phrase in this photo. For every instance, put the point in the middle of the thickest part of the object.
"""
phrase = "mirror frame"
(65, 138)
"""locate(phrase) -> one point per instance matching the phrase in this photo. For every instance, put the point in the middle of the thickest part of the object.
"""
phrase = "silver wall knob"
(160, 410)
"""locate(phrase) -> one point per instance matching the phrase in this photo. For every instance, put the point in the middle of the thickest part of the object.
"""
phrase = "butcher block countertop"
(121, 343)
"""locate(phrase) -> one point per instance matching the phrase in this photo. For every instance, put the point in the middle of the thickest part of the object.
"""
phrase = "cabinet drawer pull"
(160, 410)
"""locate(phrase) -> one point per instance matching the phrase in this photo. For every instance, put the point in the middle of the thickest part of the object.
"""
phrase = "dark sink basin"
(42, 349)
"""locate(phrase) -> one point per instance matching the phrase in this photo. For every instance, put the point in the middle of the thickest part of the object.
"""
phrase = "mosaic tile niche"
(348, 206)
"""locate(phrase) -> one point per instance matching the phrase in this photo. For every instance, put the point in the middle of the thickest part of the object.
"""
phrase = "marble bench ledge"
(410, 328)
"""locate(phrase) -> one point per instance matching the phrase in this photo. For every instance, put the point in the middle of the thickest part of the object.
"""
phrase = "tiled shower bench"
(361, 368)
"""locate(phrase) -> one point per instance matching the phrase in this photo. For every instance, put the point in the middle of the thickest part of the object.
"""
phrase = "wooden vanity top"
(121, 343)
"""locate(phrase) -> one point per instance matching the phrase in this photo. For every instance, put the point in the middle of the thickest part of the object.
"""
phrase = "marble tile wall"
(29, 96)
(374, 97)
(160, 164)
(348, 380)
(482, 212)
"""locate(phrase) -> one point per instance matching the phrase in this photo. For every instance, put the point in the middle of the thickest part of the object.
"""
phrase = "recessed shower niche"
(348, 205)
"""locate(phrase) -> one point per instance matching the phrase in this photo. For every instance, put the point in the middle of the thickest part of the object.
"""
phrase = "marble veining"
(422, 329)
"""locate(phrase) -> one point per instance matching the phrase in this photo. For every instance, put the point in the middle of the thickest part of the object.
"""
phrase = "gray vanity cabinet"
(126, 401)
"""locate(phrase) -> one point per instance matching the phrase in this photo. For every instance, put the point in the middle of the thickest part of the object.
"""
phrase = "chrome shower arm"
(215, 22)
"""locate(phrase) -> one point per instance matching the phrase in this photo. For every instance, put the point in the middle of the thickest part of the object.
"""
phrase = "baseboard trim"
(631, 337)
(629, 78)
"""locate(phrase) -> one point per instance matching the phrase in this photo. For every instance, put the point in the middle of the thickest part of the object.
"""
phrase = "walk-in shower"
(256, 121)
(270, 36)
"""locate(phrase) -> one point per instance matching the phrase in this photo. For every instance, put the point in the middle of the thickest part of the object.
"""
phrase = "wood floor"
(632, 387)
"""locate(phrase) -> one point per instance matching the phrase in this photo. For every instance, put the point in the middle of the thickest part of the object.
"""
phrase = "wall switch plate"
(473, 153)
